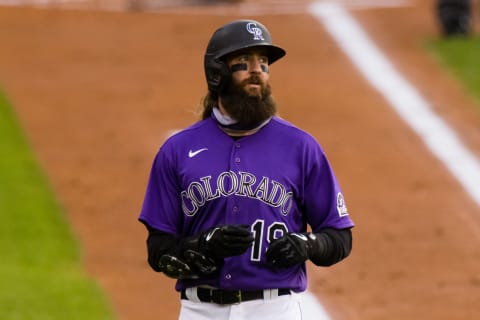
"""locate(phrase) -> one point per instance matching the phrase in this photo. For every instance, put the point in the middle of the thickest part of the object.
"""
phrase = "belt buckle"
(239, 297)
(225, 297)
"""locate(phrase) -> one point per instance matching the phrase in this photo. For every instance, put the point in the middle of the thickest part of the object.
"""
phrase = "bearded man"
(245, 101)
(230, 197)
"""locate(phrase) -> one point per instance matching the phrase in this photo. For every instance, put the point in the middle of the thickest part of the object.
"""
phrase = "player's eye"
(243, 58)
(263, 59)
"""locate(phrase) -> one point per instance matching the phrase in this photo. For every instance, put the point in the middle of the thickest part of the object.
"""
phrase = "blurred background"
(90, 90)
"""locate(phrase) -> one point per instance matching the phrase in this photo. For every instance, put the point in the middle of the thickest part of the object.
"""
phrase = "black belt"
(229, 296)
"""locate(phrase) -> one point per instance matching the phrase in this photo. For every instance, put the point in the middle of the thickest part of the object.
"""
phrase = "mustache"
(254, 79)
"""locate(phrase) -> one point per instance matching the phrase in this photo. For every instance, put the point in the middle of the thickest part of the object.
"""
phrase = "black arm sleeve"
(330, 246)
(159, 243)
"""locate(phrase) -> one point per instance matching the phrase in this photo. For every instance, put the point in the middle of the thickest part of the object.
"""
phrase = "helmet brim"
(274, 52)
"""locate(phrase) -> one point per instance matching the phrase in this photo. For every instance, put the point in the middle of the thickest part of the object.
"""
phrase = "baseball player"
(239, 201)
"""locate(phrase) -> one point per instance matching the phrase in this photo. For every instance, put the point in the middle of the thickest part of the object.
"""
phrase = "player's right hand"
(175, 268)
(228, 240)
(193, 265)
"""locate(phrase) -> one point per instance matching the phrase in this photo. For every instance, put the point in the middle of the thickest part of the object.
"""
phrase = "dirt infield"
(97, 93)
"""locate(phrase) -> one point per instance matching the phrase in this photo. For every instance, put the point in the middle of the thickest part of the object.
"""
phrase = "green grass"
(460, 55)
(41, 275)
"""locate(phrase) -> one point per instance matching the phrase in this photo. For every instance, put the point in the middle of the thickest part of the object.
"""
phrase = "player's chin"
(254, 91)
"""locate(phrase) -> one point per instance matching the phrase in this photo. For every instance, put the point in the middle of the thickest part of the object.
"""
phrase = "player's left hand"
(289, 250)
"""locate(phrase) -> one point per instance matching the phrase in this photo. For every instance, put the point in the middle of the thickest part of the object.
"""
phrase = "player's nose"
(257, 65)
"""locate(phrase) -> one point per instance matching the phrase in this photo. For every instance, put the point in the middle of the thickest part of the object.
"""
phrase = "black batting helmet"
(232, 37)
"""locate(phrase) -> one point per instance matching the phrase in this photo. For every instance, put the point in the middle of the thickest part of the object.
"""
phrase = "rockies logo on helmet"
(256, 31)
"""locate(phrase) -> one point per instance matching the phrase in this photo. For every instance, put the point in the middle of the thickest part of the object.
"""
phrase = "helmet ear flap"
(218, 73)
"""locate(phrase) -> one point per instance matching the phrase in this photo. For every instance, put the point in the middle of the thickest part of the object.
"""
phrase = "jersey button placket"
(235, 208)
(237, 157)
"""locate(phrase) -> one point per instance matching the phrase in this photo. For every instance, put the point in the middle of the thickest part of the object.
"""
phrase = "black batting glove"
(175, 268)
(289, 250)
(226, 241)
(202, 255)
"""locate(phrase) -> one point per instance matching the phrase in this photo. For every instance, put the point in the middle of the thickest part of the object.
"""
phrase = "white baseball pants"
(287, 307)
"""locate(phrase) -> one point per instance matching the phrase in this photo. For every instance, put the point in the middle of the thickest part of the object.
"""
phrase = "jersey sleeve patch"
(341, 205)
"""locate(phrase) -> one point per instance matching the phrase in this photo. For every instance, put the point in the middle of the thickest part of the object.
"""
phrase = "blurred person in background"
(455, 17)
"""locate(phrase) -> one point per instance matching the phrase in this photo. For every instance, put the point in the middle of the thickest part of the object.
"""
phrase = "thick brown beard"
(249, 110)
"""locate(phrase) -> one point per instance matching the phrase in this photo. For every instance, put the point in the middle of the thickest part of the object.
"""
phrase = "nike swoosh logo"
(210, 234)
(192, 154)
(300, 236)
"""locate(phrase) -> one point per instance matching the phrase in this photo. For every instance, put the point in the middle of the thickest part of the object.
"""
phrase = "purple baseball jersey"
(277, 180)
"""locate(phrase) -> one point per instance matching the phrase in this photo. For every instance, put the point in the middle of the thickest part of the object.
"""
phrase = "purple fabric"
(276, 180)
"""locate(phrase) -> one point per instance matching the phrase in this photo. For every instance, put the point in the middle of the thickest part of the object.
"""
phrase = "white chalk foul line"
(373, 3)
(311, 308)
(442, 141)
